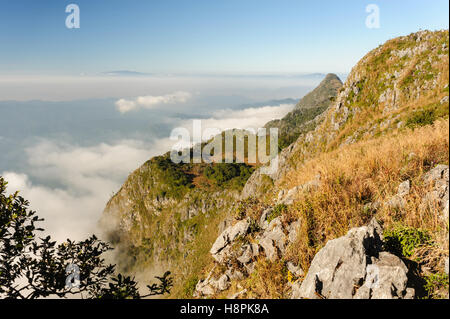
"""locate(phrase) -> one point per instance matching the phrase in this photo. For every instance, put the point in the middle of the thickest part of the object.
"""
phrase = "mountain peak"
(322, 94)
(307, 109)
(331, 77)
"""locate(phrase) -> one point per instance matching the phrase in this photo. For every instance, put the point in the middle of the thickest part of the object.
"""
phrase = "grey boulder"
(354, 266)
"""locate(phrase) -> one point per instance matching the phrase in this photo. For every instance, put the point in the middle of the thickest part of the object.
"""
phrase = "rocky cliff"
(358, 207)
(301, 119)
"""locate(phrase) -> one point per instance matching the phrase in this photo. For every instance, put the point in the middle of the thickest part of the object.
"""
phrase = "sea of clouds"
(69, 157)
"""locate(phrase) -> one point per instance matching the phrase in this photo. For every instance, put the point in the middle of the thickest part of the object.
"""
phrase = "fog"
(69, 143)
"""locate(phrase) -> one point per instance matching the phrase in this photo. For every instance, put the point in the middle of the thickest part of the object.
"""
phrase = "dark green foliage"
(437, 285)
(37, 268)
(122, 287)
(173, 174)
(173, 179)
(402, 240)
(277, 211)
(224, 174)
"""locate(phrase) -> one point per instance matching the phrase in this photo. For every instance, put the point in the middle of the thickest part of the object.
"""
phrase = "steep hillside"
(359, 205)
(301, 119)
(166, 215)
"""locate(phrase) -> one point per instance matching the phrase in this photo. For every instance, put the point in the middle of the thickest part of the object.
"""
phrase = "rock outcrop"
(221, 246)
(437, 180)
(231, 247)
(354, 266)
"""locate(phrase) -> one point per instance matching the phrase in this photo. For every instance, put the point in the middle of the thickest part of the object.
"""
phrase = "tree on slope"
(32, 267)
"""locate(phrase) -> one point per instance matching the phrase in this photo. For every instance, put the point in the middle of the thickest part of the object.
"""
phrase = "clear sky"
(202, 36)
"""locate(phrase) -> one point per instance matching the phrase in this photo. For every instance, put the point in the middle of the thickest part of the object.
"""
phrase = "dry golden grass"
(368, 172)
(428, 70)
(267, 281)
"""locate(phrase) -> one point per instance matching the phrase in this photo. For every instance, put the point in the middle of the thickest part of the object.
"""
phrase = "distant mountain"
(125, 73)
(323, 94)
(269, 103)
(309, 107)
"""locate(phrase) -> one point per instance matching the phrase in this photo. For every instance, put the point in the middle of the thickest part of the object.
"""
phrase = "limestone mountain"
(358, 207)
(301, 119)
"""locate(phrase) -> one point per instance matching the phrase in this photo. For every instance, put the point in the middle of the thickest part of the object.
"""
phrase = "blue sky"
(202, 36)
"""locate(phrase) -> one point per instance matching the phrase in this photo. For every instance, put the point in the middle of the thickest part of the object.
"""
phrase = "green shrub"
(277, 211)
(402, 241)
(173, 181)
(224, 174)
(435, 284)
(189, 286)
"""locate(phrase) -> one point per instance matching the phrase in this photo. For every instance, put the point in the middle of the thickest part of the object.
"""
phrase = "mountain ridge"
(364, 157)
(299, 120)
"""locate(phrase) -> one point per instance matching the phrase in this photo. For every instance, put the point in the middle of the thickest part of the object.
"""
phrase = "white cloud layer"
(85, 178)
(69, 88)
(149, 101)
(69, 185)
(255, 117)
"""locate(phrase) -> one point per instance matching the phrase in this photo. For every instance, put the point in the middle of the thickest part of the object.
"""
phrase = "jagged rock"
(269, 248)
(437, 180)
(289, 198)
(250, 251)
(234, 274)
(276, 234)
(203, 290)
(210, 286)
(293, 231)
(273, 239)
(404, 188)
(203, 287)
(437, 174)
(238, 294)
(347, 262)
(295, 270)
(398, 201)
(223, 283)
(295, 289)
(386, 278)
(218, 250)
(281, 195)
(263, 223)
